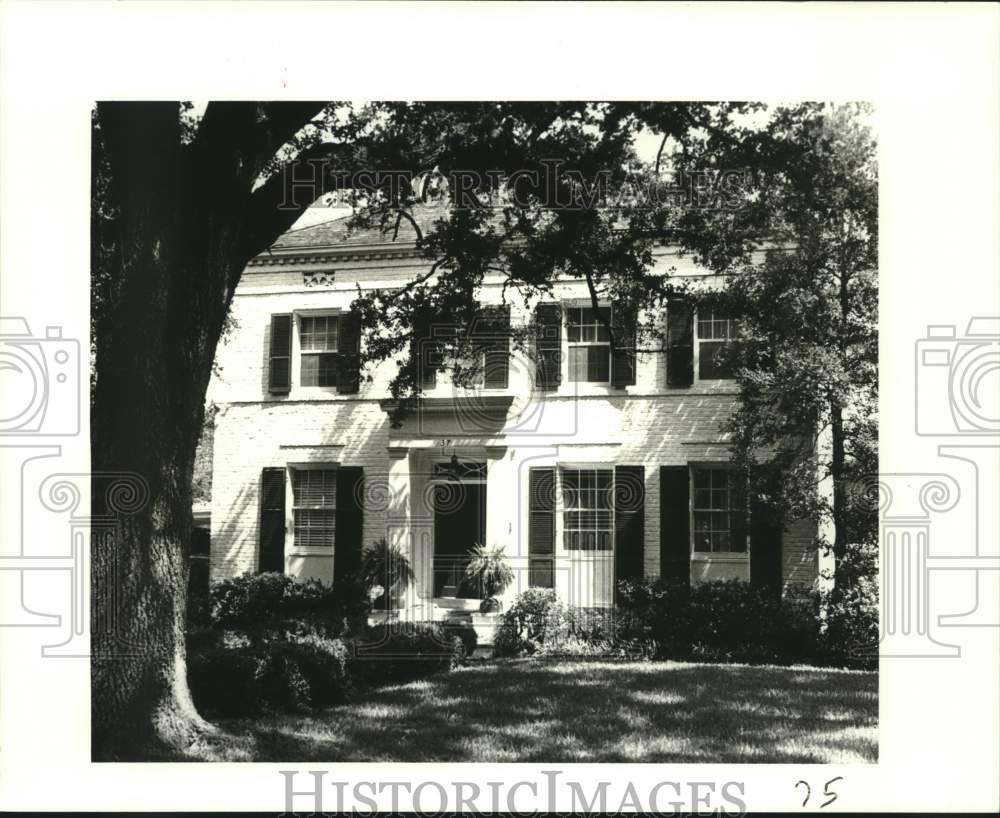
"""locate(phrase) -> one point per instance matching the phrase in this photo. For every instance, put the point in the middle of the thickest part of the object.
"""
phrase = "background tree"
(801, 258)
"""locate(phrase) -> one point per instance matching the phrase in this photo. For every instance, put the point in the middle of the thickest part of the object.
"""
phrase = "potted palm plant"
(489, 570)
(386, 573)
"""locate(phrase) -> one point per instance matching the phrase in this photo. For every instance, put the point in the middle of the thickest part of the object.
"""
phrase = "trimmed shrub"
(535, 616)
(714, 621)
(401, 652)
(851, 632)
(225, 682)
(271, 606)
(466, 634)
(281, 677)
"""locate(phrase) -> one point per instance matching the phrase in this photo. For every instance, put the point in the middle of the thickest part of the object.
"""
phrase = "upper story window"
(588, 514)
(718, 513)
(319, 337)
(714, 331)
(589, 346)
(478, 353)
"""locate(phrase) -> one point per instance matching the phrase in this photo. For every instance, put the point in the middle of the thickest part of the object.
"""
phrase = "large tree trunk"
(154, 349)
(181, 224)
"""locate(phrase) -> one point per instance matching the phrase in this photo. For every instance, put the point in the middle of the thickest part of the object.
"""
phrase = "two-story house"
(587, 466)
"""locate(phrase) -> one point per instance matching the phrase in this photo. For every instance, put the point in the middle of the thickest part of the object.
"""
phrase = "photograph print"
(484, 432)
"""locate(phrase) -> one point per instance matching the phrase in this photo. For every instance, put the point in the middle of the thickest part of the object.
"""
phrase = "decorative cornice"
(308, 255)
(493, 404)
(319, 279)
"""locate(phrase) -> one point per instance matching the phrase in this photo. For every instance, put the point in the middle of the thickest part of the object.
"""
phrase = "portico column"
(399, 513)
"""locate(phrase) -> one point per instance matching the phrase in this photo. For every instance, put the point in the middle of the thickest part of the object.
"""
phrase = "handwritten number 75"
(830, 795)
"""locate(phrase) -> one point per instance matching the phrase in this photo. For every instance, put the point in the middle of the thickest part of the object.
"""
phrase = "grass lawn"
(565, 711)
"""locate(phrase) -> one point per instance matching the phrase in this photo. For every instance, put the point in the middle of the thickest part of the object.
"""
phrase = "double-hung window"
(715, 330)
(319, 337)
(588, 510)
(314, 507)
(718, 511)
(589, 344)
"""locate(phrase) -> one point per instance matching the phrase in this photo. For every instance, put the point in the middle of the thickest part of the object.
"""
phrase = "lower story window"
(718, 512)
(587, 509)
(314, 507)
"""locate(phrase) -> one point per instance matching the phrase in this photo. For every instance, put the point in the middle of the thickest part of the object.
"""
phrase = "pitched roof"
(336, 232)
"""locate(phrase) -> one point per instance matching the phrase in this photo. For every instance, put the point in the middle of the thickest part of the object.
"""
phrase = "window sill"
(304, 392)
(310, 552)
(720, 556)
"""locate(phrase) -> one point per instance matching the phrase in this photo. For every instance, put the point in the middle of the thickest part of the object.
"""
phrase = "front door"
(459, 523)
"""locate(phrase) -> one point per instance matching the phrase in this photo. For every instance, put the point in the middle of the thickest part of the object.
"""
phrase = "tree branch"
(277, 204)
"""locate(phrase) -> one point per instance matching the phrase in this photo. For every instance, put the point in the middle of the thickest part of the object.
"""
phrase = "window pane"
(578, 364)
(598, 364)
(318, 332)
(314, 528)
(709, 365)
(587, 518)
(719, 518)
(314, 487)
(310, 370)
(327, 375)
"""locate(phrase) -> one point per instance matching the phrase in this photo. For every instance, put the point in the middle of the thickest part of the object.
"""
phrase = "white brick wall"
(647, 424)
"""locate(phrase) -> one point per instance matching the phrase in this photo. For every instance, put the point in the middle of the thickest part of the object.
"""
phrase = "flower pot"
(485, 625)
(490, 605)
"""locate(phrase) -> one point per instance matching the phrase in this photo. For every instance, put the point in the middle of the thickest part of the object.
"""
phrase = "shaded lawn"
(566, 711)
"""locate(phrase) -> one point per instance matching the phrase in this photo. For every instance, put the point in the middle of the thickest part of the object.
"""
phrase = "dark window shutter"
(548, 346)
(541, 527)
(623, 358)
(349, 521)
(675, 525)
(279, 379)
(766, 536)
(494, 332)
(271, 540)
(630, 521)
(680, 342)
(349, 357)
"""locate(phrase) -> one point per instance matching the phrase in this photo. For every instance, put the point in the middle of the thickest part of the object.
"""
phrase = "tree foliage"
(807, 300)
(184, 198)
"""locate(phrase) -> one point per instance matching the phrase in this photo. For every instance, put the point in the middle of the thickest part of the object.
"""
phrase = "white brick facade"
(648, 424)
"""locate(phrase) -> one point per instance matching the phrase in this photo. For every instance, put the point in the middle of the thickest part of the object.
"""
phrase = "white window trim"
(735, 557)
(297, 389)
(291, 548)
(697, 356)
(567, 386)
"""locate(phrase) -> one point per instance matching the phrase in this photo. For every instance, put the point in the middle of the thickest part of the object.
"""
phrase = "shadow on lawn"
(535, 710)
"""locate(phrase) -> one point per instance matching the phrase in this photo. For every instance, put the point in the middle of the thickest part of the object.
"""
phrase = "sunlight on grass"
(549, 711)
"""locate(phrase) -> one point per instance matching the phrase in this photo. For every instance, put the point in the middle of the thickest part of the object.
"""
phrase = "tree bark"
(176, 262)
(838, 473)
